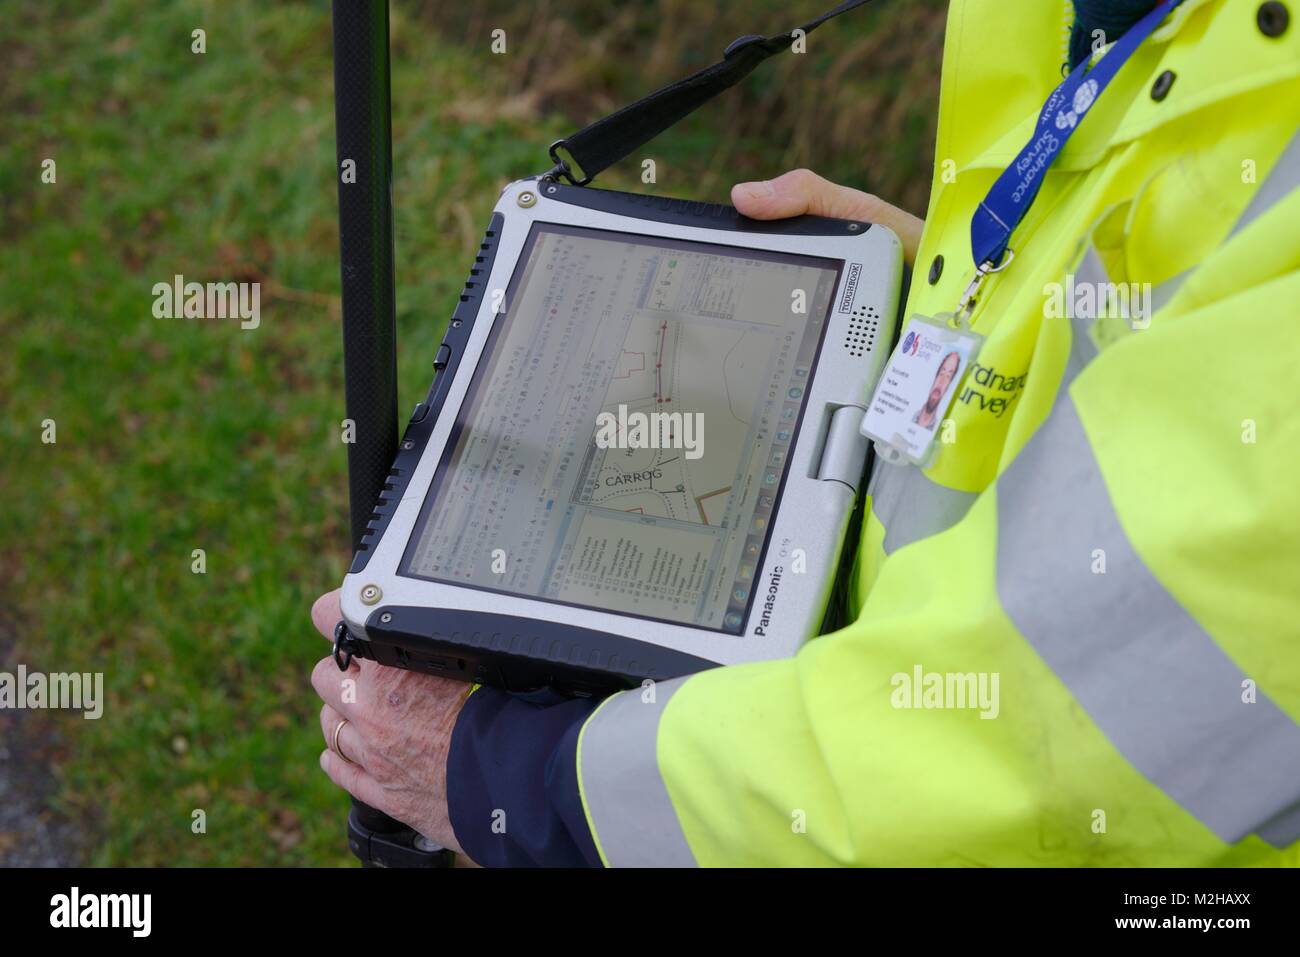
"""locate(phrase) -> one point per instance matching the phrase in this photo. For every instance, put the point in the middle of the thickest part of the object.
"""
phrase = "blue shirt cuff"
(512, 780)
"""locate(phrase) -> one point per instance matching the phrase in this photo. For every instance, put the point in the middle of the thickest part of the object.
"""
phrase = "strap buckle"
(741, 42)
(562, 167)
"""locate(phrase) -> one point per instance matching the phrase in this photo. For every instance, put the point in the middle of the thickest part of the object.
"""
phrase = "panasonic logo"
(765, 618)
(850, 287)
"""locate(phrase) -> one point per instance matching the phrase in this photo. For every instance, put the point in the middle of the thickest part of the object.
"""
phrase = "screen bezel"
(479, 376)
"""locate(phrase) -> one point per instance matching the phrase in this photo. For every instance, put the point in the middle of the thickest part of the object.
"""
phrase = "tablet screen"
(624, 442)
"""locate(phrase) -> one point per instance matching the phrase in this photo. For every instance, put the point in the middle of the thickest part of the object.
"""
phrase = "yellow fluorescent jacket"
(1099, 575)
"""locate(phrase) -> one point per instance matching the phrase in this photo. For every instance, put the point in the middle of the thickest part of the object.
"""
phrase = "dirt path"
(31, 834)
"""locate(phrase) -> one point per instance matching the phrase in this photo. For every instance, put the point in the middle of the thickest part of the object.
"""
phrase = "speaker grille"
(864, 323)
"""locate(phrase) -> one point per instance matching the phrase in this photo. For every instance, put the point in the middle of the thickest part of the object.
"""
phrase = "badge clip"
(961, 318)
(892, 451)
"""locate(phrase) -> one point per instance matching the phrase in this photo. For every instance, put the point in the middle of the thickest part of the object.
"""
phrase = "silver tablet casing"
(825, 471)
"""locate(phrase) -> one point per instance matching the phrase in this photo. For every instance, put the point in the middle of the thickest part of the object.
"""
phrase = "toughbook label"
(765, 618)
(850, 287)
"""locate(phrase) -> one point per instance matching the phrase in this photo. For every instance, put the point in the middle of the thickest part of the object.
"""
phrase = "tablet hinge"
(844, 453)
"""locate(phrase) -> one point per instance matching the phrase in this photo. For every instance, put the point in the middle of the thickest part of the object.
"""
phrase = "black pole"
(364, 138)
(363, 132)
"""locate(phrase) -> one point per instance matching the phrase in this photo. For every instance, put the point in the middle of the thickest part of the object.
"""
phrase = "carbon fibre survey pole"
(363, 133)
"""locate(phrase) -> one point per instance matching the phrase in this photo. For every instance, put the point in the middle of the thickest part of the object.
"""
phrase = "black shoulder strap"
(606, 141)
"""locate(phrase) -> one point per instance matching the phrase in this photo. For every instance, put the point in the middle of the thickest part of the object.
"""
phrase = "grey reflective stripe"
(1091, 271)
(627, 801)
(1090, 268)
(1282, 178)
(1283, 830)
(1154, 682)
(1082, 349)
(911, 506)
(1162, 292)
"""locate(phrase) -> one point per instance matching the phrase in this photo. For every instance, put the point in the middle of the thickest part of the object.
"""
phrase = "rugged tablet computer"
(641, 450)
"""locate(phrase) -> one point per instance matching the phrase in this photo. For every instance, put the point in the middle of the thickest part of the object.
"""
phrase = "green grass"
(175, 435)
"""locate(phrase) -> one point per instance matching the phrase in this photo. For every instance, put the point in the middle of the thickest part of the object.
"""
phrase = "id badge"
(917, 387)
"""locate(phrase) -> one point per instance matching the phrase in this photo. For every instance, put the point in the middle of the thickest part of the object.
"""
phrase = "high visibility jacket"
(1075, 636)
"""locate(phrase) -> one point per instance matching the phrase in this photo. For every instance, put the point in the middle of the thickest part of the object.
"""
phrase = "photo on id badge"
(917, 387)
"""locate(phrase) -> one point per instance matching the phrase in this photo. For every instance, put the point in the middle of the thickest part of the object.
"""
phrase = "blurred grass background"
(182, 434)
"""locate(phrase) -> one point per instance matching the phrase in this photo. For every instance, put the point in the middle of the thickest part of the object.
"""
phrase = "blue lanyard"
(1010, 197)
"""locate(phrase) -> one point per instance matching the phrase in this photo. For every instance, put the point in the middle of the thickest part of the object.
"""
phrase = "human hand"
(396, 735)
(803, 191)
